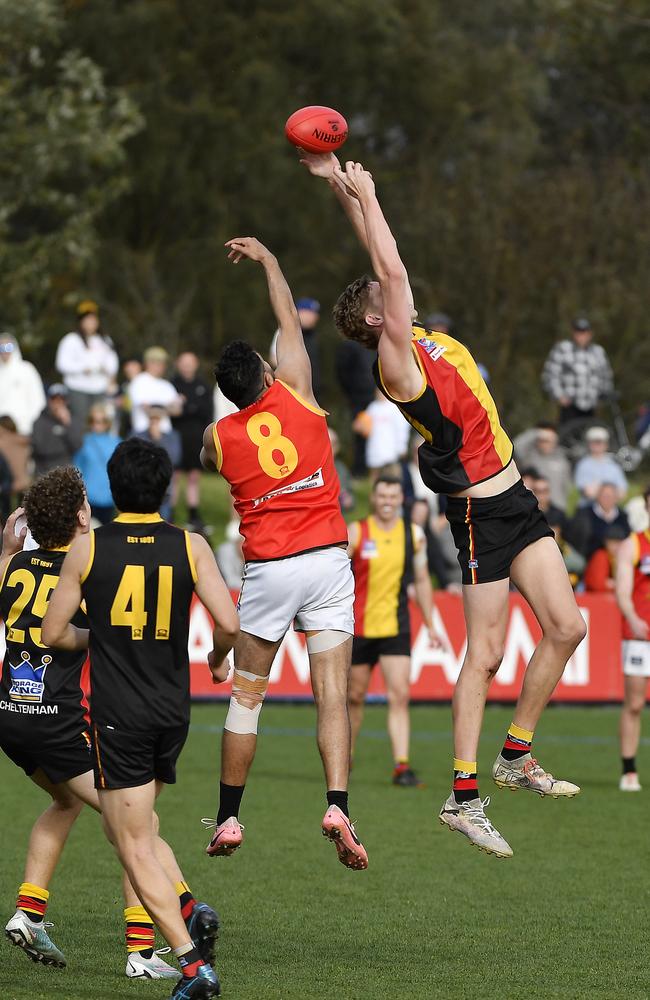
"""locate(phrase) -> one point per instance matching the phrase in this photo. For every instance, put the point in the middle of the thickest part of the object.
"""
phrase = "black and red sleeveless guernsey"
(138, 587)
(41, 700)
(464, 442)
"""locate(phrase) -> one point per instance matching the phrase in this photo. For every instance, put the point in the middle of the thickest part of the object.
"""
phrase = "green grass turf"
(432, 917)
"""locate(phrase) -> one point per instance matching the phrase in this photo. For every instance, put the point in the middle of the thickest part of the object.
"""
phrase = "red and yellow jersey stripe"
(382, 562)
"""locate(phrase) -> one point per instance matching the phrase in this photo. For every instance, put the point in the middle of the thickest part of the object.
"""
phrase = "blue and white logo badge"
(28, 681)
(473, 564)
(369, 549)
(434, 350)
(644, 566)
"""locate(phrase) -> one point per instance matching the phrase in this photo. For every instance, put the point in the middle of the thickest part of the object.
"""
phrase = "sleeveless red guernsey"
(464, 442)
(641, 587)
(277, 458)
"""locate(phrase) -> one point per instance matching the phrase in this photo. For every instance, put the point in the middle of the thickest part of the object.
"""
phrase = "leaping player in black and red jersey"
(500, 533)
(276, 455)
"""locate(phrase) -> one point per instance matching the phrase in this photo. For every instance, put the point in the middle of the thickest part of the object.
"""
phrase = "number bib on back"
(277, 458)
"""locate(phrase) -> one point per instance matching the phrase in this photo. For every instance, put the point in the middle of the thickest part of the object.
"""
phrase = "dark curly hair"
(51, 505)
(139, 473)
(240, 373)
(350, 313)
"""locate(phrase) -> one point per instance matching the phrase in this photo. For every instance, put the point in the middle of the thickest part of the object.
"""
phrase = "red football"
(317, 129)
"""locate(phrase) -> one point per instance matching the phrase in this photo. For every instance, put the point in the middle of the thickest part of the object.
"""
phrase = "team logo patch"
(313, 482)
(369, 549)
(644, 565)
(434, 350)
(28, 681)
(473, 564)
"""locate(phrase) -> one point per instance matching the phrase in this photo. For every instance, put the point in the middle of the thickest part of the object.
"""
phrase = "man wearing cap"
(151, 389)
(598, 467)
(577, 373)
(87, 361)
(57, 434)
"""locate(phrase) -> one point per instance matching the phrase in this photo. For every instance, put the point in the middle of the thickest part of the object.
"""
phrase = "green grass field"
(432, 917)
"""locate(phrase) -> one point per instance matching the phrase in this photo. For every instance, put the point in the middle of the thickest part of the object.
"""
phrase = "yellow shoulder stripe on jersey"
(461, 359)
(424, 379)
(138, 518)
(636, 544)
(2, 581)
(91, 557)
(190, 556)
(217, 447)
(60, 548)
(303, 401)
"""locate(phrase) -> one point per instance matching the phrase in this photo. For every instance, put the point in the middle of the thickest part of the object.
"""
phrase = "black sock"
(229, 801)
(146, 952)
(339, 799)
(190, 961)
(629, 765)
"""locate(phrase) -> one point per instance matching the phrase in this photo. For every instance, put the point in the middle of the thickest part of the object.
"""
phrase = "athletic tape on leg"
(248, 691)
(329, 638)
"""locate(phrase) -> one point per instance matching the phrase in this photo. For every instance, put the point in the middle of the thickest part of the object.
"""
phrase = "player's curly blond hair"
(350, 313)
(51, 505)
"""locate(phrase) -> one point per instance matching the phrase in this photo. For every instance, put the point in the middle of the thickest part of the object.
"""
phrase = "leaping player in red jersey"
(500, 533)
(275, 454)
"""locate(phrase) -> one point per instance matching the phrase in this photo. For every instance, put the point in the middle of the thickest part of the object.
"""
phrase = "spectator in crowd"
(586, 531)
(197, 413)
(87, 362)
(542, 490)
(22, 396)
(151, 389)
(598, 467)
(386, 432)
(309, 315)
(529, 477)
(539, 448)
(577, 373)
(346, 494)
(168, 439)
(229, 556)
(600, 574)
(16, 449)
(6, 488)
(57, 435)
(99, 443)
(354, 374)
(130, 368)
(438, 322)
(574, 562)
(442, 559)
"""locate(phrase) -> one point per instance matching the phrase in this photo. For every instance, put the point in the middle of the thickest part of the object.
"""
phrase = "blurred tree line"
(509, 140)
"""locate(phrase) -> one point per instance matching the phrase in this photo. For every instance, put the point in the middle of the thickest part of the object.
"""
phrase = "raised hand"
(12, 539)
(356, 179)
(319, 164)
(247, 246)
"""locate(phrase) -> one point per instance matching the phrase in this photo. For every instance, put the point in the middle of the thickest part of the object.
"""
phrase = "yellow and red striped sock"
(186, 899)
(139, 930)
(465, 785)
(32, 900)
(518, 742)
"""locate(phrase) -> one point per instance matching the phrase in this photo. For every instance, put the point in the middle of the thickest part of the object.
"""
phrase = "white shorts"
(316, 589)
(636, 657)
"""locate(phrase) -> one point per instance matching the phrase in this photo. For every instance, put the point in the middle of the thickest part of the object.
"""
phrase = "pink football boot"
(338, 828)
(226, 839)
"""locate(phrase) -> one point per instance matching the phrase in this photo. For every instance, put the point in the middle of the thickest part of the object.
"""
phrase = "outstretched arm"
(400, 372)
(57, 628)
(293, 364)
(324, 165)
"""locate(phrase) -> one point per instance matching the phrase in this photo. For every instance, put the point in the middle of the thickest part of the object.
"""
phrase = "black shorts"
(59, 762)
(123, 759)
(369, 650)
(490, 531)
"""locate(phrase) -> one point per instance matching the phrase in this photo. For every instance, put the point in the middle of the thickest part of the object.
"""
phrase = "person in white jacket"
(22, 396)
(87, 362)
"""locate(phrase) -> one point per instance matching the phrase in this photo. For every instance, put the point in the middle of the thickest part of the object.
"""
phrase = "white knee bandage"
(329, 638)
(248, 691)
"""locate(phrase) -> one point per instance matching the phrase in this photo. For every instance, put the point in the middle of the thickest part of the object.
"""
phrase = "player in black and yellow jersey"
(388, 554)
(43, 716)
(137, 576)
(500, 533)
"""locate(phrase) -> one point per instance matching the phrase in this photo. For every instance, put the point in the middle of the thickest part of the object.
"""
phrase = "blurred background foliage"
(509, 140)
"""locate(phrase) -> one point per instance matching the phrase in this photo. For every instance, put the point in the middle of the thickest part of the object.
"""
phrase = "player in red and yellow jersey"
(633, 596)
(276, 455)
(388, 557)
(500, 533)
